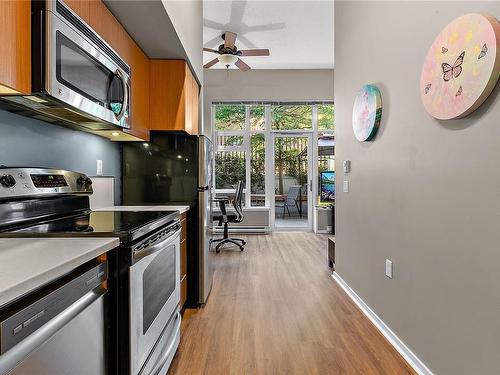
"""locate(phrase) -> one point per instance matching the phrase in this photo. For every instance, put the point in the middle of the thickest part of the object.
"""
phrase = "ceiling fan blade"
(254, 52)
(229, 39)
(211, 63)
(241, 65)
(211, 50)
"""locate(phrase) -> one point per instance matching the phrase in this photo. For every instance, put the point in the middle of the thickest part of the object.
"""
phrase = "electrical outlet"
(99, 168)
(346, 187)
(388, 268)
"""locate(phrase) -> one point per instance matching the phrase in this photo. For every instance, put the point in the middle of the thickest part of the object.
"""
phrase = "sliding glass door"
(292, 188)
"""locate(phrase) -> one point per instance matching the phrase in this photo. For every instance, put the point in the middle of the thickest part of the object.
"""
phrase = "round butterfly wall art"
(461, 67)
(367, 113)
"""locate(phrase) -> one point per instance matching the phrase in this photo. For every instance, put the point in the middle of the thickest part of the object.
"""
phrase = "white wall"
(272, 84)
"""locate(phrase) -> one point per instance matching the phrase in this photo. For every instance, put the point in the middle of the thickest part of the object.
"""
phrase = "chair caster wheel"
(217, 251)
(241, 248)
(244, 243)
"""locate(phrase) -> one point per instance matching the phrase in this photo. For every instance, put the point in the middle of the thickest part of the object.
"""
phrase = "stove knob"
(84, 182)
(7, 180)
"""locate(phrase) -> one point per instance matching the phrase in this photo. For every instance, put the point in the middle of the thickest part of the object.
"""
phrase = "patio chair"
(292, 199)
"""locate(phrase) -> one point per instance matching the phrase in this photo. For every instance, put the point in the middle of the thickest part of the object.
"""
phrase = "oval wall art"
(461, 67)
(367, 113)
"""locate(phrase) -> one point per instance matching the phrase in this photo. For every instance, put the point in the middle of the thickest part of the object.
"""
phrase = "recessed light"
(115, 134)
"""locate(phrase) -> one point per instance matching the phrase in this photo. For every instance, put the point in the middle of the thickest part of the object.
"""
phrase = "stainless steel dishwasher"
(59, 330)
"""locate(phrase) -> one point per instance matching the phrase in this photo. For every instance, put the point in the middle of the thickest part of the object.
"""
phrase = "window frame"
(268, 132)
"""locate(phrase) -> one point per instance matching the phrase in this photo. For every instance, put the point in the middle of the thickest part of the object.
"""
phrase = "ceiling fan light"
(228, 59)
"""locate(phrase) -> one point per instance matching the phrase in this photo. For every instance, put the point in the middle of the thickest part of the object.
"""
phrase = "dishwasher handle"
(10, 359)
(35, 310)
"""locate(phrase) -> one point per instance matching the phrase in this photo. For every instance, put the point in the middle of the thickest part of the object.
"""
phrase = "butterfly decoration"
(453, 71)
(459, 92)
(444, 50)
(427, 88)
(483, 51)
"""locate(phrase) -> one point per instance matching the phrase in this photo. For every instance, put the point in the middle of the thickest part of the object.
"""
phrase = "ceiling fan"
(229, 54)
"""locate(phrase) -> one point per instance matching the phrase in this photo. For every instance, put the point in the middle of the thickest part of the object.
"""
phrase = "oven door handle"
(164, 358)
(139, 254)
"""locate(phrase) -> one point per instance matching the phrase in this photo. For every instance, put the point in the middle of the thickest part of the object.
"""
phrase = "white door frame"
(310, 177)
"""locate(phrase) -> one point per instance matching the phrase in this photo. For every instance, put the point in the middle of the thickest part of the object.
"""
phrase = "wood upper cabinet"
(80, 7)
(15, 47)
(173, 98)
(139, 65)
(107, 26)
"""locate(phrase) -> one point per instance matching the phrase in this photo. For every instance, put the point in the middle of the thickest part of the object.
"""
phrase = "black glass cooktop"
(128, 225)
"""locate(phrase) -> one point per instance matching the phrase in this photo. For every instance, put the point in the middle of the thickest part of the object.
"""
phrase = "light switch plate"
(99, 168)
(347, 166)
(346, 187)
(388, 268)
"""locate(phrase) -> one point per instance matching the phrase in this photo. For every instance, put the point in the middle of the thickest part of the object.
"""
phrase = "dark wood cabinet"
(183, 260)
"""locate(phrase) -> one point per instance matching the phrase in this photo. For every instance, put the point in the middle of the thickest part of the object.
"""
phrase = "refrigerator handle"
(203, 188)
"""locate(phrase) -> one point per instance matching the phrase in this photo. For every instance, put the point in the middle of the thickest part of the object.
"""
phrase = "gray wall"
(425, 194)
(29, 142)
(263, 84)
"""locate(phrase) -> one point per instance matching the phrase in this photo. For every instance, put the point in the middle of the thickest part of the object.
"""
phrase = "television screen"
(327, 186)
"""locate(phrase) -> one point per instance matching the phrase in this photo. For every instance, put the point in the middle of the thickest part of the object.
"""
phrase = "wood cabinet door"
(15, 47)
(80, 7)
(139, 96)
(196, 107)
(167, 104)
(188, 98)
(107, 26)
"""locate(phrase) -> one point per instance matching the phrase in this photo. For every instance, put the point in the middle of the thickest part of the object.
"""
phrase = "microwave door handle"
(125, 94)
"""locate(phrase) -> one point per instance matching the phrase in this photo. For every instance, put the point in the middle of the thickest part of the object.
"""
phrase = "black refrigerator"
(177, 169)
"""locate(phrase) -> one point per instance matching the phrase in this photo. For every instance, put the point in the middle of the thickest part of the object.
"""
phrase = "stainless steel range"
(144, 272)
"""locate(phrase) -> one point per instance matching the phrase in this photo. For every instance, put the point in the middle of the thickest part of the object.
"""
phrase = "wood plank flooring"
(274, 309)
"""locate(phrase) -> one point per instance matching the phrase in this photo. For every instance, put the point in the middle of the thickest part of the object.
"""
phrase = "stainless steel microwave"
(76, 76)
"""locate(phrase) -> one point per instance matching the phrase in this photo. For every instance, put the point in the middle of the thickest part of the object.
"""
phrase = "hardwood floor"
(274, 309)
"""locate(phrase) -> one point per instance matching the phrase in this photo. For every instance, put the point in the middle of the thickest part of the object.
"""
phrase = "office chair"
(226, 218)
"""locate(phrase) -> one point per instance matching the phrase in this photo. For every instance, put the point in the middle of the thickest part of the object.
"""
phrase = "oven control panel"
(48, 180)
(25, 182)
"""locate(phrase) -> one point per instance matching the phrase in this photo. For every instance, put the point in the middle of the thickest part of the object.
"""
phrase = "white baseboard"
(395, 341)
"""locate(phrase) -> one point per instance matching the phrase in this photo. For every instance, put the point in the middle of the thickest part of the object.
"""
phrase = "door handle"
(139, 254)
(125, 95)
(170, 347)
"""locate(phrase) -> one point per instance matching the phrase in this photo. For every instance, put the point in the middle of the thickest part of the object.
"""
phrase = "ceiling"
(299, 34)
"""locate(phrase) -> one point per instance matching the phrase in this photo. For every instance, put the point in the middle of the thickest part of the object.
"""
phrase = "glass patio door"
(291, 196)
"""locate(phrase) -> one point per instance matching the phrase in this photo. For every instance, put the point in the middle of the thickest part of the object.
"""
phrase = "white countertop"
(181, 209)
(29, 263)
